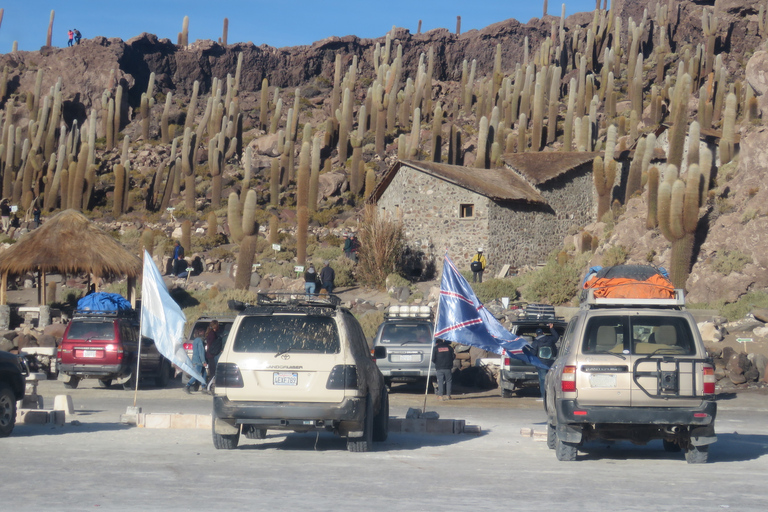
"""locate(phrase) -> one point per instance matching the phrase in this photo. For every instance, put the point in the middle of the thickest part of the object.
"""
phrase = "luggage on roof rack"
(631, 282)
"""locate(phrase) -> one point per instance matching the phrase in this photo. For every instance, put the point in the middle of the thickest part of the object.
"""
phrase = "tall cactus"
(604, 176)
(249, 229)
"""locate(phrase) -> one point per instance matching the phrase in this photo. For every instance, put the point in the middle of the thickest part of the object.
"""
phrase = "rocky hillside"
(358, 104)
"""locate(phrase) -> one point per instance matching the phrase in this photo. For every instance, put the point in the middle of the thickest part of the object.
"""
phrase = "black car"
(13, 370)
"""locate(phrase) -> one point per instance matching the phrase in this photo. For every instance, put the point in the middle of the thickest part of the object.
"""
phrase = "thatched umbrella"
(68, 243)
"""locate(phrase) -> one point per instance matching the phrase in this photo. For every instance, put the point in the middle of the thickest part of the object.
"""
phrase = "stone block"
(31, 416)
(203, 421)
(526, 432)
(64, 403)
(183, 421)
(58, 418)
(156, 420)
(539, 435)
(440, 427)
(395, 425)
(414, 426)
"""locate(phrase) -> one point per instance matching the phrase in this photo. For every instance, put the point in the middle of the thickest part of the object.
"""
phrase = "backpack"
(476, 266)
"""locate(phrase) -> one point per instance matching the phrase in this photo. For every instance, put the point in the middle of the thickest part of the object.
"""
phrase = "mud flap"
(569, 433)
(702, 436)
(223, 428)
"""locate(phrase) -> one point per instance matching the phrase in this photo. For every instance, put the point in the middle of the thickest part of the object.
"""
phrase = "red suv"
(103, 345)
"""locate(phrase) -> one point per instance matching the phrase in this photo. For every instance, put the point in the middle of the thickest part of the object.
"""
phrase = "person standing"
(179, 263)
(545, 348)
(5, 214)
(36, 215)
(477, 265)
(70, 37)
(198, 360)
(442, 357)
(310, 280)
(213, 347)
(327, 277)
(354, 246)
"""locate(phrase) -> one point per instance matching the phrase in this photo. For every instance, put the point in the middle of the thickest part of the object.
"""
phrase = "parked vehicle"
(632, 367)
(103, 345)
(514, 373)
(300, 365)
(404, 341)
(13, 370)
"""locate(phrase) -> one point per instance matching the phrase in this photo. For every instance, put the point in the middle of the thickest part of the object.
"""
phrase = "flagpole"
(431, 351)
(138, 355)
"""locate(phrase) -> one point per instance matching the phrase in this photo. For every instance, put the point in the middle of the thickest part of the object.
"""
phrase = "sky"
(276, 23)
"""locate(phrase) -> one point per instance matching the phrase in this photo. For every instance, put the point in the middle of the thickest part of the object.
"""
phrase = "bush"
(735, 310)
(381, 243)
(493, 289)
(555, 284)
(370, 321)
(327, 253)
(615, 255)
(727, 262)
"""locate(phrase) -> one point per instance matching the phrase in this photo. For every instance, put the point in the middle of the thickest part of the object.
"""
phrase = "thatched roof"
(496, 184)
(69, 243)
(540, 167)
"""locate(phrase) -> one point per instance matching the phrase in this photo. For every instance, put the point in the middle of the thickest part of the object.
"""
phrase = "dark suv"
(515, 373)
(12, 373)
(103, 345)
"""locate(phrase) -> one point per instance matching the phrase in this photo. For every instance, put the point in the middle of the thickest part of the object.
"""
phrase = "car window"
(404, 333)
(641, 335)
(282, 333)
(80, 330)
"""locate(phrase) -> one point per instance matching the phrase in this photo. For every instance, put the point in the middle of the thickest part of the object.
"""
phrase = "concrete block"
(31, 417)
(440, 427)
(64, 403)
(130, 419)
(183, 421)
(526, 432)
(157, 420)
(414, 426)
(539, 435)
(203, 421)
(58, 418)
(395, 425)
(473, 429)
(36, 376)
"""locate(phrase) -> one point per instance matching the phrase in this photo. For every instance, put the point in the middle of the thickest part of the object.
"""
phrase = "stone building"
(517, 214)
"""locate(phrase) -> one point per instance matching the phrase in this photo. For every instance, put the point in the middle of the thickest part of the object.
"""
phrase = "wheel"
(252, 432)
(696, 454)
(7, 410)
(163, 374)
(671, 446)
(105, 383)
(225, 441)
(551, 436)
(381, 420)
(363, 444)
(72, 382)
(565, 451)
(506, 393)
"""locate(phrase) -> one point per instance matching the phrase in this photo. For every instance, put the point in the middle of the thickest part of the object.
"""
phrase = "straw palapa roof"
(69, 243)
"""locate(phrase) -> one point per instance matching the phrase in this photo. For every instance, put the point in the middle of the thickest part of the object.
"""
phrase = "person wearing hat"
(310, 279)
(477, 265)
(545, 347)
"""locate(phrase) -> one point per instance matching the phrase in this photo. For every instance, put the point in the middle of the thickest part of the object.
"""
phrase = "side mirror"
(379, 352)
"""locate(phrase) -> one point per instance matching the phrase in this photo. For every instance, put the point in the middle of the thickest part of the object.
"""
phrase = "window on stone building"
(466, 211)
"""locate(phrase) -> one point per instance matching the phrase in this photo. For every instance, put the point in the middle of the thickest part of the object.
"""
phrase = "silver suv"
(632, 369)
(299, 365)
(404, 343)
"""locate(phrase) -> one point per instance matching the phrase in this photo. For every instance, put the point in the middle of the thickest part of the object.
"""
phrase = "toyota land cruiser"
(404, 341)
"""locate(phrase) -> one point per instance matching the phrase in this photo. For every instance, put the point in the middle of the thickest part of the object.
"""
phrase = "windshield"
(406, 333)
(640, 335)
(279, 334)
(79, 330)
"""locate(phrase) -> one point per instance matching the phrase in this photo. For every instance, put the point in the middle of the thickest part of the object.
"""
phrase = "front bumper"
(289, 414)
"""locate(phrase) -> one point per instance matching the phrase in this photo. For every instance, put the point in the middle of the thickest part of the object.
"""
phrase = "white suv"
(300, 365)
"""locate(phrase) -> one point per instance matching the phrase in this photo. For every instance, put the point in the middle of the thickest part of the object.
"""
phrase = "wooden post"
(4, 289)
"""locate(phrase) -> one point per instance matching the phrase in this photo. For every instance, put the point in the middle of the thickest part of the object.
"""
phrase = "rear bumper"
(569, 412)
(287, 414)
(94, 370)
(520, 373)
(404, 375)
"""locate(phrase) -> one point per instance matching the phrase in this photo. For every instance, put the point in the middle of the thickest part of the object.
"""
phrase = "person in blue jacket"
(545, 347)
(198, 360)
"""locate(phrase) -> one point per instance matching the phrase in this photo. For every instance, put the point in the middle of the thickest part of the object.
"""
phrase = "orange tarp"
(655, 287)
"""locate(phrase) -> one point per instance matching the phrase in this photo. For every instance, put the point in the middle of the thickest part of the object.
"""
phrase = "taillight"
(709, 380)
(228, 376)
(343, 376)
(506, 361)
(119, 350)
(568, 379)
(188, 346)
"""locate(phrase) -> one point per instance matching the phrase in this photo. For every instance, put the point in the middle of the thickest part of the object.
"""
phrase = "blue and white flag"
(162, 319)
(461, 318)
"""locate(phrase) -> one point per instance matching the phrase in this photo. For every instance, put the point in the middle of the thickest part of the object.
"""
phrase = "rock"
(759, 362)
(46, 340)
(760, 314)
(746, 324)
(760, 332)
(752, 375)
(413, 413)
(737, 365)
(710, 332)
(331, 184)
(6, 344)
(255, 279)
(737, 378)
(55, 330)
(403, 294)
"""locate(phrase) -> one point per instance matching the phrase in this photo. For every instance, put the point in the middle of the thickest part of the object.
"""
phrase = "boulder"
(759, 362)
(710, 332)
(737, 364)
(746, 324)
(6, 345)
(46, 340)
(760, 314)
(55, 330)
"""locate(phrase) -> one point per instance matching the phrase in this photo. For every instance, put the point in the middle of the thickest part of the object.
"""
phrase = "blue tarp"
(101, 301)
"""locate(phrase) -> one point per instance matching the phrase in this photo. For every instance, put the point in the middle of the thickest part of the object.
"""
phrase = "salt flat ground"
(100, 464)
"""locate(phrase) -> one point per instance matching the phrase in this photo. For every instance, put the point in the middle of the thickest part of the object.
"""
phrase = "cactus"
(187, 162)
(604, 176)
(302, 217)
(49, 37)
(728, 140)
(314, 174)
(185, 32)
(679, 121)
(147, 241)
(225, 32)
(302, 181)
(538, 113)
(634, 178)
(117, 195)
(653, 195)
(522, 139)
(370, 182)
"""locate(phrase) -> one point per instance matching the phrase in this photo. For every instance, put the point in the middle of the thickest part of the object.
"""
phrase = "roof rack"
(287, 299)
(104, 313)
(678, 301)
(396, 311)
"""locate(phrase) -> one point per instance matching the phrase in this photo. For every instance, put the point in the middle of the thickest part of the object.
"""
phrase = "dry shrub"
(381, 243)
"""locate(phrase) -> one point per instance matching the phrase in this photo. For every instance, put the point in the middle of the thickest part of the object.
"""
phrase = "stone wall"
(429, 208)
(524, 235)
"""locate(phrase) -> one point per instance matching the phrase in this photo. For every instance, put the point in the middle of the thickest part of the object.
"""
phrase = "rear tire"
(105, 383)
(551, 436)
(163, 374)
(363, 444)
(381, 420)
(565, 451)
(506, 393)
(131, 382)
(225, 441)
(72, 382)
(671, 446)
(696, 454)
(255, 433)
(7, 410)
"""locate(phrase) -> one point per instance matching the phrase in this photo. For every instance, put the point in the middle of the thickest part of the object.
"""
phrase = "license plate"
(89, 353)
(285, 379)
(602, 380)
(406, 358)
